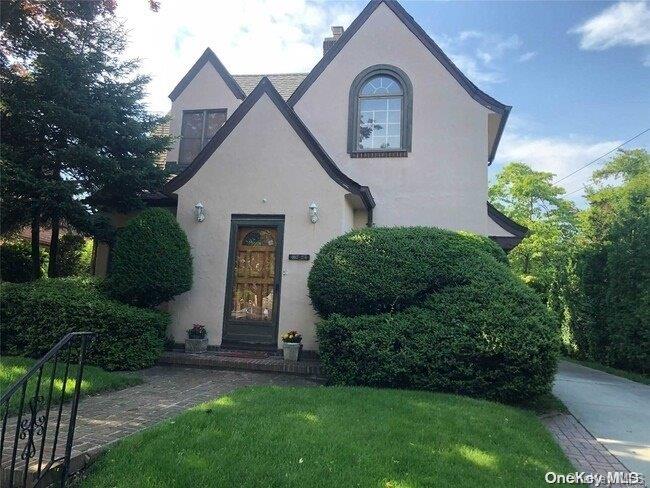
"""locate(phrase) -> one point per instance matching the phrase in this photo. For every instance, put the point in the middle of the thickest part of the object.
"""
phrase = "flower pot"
(291, 350)
(196, 345)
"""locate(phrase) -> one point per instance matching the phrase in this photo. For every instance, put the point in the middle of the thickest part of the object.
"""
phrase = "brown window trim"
(407, 110)
(402, 153)
(205, 112)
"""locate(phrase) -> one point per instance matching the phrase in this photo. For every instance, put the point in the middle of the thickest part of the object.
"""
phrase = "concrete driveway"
(616, 411)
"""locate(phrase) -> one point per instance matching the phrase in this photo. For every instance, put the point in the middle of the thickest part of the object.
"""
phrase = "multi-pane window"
(197, 128)
(380, 106)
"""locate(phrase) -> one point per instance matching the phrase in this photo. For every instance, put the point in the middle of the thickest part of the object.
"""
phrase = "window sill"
(379, 154)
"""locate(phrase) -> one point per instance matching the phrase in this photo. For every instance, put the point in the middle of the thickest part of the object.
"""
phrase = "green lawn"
(94, 380)
(630, 375)
(306, 437)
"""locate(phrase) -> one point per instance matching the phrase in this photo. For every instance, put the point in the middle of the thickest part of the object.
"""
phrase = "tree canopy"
(77, 136)
(530, 198)
(592, 266)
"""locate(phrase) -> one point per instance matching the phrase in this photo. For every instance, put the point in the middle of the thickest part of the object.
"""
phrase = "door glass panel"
(254, 275)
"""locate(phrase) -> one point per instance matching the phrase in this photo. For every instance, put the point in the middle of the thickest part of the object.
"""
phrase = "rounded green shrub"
(387, 269)
(151, 262)
(35, 316)
(464, 323)
(15, 262)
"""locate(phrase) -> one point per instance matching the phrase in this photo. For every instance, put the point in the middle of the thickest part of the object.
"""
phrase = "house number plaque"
(298, 257)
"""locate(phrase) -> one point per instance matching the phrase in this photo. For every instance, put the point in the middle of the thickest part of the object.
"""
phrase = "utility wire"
(600, 157)
(583, 187)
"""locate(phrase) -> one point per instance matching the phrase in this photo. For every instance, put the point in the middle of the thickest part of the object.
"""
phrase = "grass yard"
(12, 368)
(335, 436)
(630, 375)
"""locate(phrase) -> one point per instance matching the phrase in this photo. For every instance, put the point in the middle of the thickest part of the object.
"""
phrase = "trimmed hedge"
(388, 269)
(465, 325)
(151, 261)
(35, 316)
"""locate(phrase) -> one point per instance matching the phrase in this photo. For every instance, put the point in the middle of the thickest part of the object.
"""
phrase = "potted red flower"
(197, 340)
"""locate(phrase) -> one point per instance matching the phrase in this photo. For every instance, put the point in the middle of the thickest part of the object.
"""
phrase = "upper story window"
(197, 128)
(380, 113)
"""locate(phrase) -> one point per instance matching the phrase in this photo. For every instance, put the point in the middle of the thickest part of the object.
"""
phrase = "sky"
(576, 73)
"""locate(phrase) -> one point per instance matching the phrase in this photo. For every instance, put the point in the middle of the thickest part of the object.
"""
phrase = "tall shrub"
(15, 262)
(430, 309)
(71, 260)
(151, 261)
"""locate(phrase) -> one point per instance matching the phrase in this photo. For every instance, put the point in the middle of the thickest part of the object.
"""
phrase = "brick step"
(241, 361)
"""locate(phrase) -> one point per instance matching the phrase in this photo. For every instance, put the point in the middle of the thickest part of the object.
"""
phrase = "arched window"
(381, 103)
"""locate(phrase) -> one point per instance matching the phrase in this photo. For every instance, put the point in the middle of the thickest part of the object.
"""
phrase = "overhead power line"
(601, 157)
(583, 187)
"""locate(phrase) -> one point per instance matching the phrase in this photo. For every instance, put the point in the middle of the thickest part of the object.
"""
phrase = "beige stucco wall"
(443, 181)
(261, 168)
(207, 90)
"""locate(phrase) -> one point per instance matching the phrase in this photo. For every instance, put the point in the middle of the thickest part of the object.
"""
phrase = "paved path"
(615, 410)
(167, 391)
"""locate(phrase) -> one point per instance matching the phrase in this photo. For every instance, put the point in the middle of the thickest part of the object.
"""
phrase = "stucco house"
(385, 130)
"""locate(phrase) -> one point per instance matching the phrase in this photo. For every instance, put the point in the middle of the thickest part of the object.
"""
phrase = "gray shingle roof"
(284, 83)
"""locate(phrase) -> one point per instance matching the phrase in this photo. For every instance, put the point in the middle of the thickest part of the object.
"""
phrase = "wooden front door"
(253, 282)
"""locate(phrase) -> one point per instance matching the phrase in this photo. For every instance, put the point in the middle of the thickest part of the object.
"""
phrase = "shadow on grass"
(95, 380)
(332, 436)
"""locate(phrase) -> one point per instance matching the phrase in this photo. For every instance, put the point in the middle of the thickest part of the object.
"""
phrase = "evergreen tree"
(77, 137)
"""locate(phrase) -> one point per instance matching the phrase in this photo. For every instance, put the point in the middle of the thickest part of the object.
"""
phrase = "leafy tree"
(530, 198)
(603, 297)
(151, 261)
(77, 137)
(71, 253)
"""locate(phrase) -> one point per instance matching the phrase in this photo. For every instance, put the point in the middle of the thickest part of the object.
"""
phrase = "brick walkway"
(167, 391)
(583, 449)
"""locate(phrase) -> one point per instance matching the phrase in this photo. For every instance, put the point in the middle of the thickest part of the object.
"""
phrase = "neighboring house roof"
(44, 237)
(208, 56)
(284, 83)
(478, 95)
(266, 87)
(518, 231)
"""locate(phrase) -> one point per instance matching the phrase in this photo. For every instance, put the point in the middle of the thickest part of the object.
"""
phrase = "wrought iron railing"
(34, 410)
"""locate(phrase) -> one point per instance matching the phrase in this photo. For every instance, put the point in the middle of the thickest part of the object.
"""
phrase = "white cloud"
(527, 56)
(557, 155)
(477, 53)
(474, 71)
(249, 36)
(622, 24)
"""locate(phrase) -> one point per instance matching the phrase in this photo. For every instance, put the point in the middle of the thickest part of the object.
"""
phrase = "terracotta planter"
(196, 345)
(291, 350)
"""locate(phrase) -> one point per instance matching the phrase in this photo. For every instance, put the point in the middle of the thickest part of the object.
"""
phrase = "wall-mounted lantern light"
(313, 212)
(198, 212)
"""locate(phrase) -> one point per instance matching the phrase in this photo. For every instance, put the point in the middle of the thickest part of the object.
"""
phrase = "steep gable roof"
(481, 97)
(266, 87)
(208, 56)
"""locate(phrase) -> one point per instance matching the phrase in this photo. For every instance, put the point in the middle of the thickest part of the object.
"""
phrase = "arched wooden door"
(253, 283)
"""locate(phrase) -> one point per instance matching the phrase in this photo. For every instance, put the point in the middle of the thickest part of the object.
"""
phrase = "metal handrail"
(35, 423)
(57, 347)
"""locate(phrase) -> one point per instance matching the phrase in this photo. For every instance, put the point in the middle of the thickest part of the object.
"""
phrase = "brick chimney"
(328, 42)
